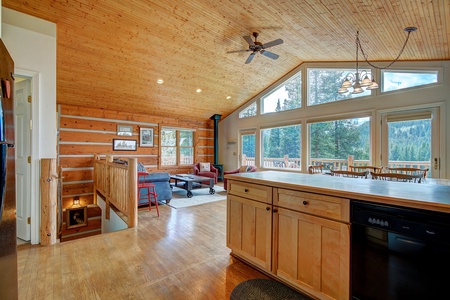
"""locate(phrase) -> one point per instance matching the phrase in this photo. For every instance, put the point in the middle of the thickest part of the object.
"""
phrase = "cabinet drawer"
(256, 192)
(320, 205)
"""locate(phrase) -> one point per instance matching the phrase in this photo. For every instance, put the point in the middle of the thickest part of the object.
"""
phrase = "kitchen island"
(297, 227)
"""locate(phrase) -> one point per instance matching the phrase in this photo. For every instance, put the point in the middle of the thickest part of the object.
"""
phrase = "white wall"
(115, 223)
(230, 126)
(32, 45)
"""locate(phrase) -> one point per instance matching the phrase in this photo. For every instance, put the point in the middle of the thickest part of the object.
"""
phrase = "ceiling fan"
(255, 47)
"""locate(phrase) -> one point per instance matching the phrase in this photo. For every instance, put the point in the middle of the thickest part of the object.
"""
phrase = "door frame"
(438, 113)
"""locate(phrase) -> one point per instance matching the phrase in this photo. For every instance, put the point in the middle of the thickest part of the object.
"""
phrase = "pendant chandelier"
(361, 81)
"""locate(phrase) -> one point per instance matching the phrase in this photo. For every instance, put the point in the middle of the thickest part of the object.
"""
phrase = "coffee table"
(190, 182)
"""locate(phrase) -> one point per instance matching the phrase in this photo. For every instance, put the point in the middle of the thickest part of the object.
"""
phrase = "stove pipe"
(216, 119)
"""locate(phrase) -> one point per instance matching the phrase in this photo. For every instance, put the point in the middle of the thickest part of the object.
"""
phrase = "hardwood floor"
(180, 255)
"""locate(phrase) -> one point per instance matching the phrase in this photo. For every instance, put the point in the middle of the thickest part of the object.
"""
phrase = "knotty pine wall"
(85, 132)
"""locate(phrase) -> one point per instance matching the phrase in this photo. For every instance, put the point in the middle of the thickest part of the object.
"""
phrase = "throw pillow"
(204, 167)
(244, 169)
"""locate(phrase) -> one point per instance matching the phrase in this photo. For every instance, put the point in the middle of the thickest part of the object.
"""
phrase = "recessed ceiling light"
(228, 97)
(160, 81)
(198, 90)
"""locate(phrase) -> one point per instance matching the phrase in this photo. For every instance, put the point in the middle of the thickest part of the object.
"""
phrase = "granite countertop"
(434, 197)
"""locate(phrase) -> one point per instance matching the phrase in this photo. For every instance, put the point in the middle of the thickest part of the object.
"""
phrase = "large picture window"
(285, 97)
(282, 147)
(177, 147)
(324, 83)
(332, 142)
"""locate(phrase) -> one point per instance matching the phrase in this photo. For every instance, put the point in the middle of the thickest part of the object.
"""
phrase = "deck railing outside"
(330, 164)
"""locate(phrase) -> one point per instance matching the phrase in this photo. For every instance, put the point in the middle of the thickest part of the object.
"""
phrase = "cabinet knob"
(305, 202)
(246, 190)
(267, 208)
(275, 210)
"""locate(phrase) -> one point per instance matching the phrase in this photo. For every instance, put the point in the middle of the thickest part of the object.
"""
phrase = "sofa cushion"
(205, 167)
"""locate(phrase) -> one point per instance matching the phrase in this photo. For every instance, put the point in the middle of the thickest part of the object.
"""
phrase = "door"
(22, 117)
(247, 148)
(411, 139)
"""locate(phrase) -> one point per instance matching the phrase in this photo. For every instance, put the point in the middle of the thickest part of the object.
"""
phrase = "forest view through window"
(282, 147)
(324, 83)
(332, 142)
(285, 97)
(409, 142)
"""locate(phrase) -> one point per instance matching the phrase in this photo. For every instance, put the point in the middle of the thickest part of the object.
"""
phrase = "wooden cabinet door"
(249, 230)
(312, 253)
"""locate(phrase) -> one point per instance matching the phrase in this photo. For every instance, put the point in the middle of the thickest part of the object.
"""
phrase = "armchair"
(239, 170)
(212, 173)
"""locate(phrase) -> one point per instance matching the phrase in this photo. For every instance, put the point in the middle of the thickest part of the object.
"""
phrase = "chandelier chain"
(358, 43)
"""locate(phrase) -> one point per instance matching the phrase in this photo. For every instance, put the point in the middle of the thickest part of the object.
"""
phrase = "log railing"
(117, 183)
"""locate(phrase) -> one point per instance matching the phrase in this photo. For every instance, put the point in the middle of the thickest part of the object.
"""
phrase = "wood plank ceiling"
(111, 53)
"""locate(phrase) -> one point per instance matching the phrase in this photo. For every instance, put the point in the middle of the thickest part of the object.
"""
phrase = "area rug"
(200, 196)
(265, 289)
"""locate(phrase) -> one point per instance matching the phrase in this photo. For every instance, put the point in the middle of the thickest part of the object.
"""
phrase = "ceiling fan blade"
(273, 43)
(269, 54)
(250, 58)
(236, 51)
(249, 40)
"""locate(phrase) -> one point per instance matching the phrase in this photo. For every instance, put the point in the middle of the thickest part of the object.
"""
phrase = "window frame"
(177, 146)
(439, 71)
(347, 69)
(278, 125)
(269, 92)
(330, 118)
(247, 107)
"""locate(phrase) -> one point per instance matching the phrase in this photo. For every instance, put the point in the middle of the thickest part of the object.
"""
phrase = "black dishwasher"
(399, 253)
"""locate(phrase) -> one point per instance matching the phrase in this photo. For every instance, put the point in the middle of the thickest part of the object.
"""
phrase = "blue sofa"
(162, 183)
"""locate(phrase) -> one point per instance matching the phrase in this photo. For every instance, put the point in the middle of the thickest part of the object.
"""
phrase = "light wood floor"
(180, 255)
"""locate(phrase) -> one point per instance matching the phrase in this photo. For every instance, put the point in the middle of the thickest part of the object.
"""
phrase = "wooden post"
(133, 203)
(49, 185)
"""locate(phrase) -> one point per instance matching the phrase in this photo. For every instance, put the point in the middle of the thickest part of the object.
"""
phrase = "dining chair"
(391, 176)
(366, 168)
(316, 169)
(352, 174)
(408, 171)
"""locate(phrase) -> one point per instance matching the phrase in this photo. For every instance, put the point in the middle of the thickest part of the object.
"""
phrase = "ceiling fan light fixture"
(258, 47)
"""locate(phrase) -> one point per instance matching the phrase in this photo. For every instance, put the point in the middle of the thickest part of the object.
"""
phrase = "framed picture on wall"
(146, 137)
(124, 145)
(124, 130)
(76, 217)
